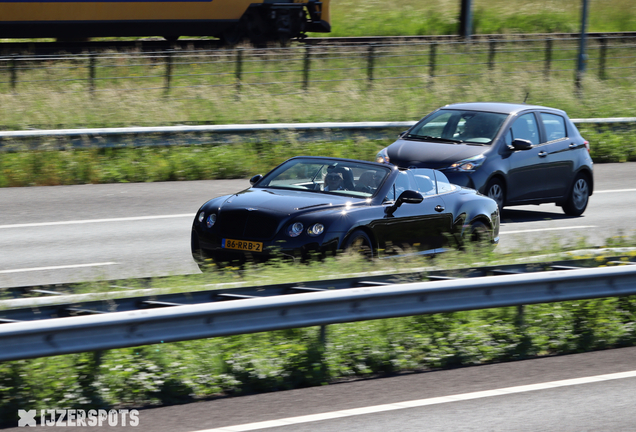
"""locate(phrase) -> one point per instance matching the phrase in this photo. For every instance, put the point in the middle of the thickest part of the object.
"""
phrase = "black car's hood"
(427, 154)
(285, 201)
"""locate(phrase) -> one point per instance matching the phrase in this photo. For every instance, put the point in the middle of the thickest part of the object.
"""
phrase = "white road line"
(74, 222)
(547, 229)
(615, 190)
(57, 267)
(419, 403)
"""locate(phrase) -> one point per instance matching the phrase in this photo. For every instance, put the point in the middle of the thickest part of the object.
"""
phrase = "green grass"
(182, 372)
(412, 17)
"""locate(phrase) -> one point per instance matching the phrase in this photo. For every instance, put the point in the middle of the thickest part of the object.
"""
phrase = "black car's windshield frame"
(351, 178)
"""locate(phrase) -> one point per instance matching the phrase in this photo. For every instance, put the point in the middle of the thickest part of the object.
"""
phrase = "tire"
(359, 243)
(495, 190)
(479, 235)
(579, 196)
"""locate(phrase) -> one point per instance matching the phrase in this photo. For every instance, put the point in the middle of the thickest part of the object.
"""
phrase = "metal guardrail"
(188, 135)
(141, 327)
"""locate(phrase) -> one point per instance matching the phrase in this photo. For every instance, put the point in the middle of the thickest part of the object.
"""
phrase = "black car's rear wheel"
(495, 190)
(579, 196)
(359, 243)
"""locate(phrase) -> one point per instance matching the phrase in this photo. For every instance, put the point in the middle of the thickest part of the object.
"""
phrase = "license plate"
(242, 245)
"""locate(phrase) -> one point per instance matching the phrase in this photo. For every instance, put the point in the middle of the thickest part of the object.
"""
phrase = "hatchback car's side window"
(554, 126)
(525, 127)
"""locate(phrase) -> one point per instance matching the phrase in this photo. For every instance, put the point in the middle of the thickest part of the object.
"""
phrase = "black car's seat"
(347, 176)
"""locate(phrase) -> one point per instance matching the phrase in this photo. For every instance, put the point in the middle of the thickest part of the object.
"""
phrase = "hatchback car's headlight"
(210, 220)
(316, 229)
(383, 156)
(469, 165)
(295, 229)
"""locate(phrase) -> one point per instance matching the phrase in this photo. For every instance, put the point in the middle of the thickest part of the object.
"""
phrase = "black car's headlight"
(383, 156)
(201, 217)
(295, 229)
(468, 165)
(316, 229)
(211, 220)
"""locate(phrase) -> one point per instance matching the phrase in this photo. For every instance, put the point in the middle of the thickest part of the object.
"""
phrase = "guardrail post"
(14, 72)
(168, 71)
(370, 63)
(323, 336)
(239, 69)
(548, 56)
(306, 67)
(603, 56)
(491, 54)
(91, 72)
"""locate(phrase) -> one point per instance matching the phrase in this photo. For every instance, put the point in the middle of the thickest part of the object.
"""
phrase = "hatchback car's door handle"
(542, 154)
(439, 208)
(573, 146)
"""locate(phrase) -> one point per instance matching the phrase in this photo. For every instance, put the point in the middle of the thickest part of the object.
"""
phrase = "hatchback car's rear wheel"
(495, 190)
(359, 243)
(579, 196)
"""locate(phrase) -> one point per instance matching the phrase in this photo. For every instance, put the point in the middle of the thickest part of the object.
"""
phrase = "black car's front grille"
(246, 224)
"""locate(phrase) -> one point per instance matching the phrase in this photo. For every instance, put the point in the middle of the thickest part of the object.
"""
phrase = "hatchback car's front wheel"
(579, 196)
(495, 190)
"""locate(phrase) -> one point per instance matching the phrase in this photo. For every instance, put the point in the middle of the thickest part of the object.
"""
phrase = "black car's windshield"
(327, 176)
(458, 126)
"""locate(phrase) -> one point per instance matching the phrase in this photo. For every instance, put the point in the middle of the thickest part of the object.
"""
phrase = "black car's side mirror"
(406, 197)
(256, 179)
(521, 144)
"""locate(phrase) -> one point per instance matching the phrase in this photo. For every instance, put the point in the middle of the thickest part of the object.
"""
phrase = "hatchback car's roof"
(497, 107)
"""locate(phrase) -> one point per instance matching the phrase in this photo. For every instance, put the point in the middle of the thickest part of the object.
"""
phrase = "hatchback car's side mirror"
(401, 134)
(521, 144)
(408, 197)
(256, 179)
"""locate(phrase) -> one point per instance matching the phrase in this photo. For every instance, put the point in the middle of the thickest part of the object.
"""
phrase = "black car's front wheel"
(495, 190)
(579, 196)
(359, 243)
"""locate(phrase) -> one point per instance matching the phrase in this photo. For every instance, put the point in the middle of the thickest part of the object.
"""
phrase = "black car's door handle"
(439, 208)
(542, 154)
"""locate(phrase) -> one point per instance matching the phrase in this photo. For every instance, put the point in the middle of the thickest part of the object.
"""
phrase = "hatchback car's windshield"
(327, 176)
(458, 126)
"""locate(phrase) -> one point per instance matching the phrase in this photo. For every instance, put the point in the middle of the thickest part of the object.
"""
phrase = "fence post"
(239, 69)
(91, 72)
(370, 63)
(431, 62)
(14, 72)
(168, 70)
(603, 56)
(548, 56)
(491, 54)
(306, 67)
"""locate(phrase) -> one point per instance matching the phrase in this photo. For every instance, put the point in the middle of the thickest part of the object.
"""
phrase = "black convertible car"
(321, 205)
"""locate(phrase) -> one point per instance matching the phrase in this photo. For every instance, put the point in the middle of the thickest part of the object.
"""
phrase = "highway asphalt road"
(574, 393)
(61, 234)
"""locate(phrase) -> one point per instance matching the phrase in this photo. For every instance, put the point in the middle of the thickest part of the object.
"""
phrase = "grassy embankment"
(186, 371)
(66, 104)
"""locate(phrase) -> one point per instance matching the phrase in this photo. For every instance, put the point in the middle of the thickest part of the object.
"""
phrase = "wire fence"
(290, 70)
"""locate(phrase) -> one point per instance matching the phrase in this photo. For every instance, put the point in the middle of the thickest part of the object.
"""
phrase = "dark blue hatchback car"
(515, 153)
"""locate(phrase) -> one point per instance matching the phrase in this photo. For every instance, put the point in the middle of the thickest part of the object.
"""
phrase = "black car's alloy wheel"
(579, 196)
(360, 243)
(495, 190)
